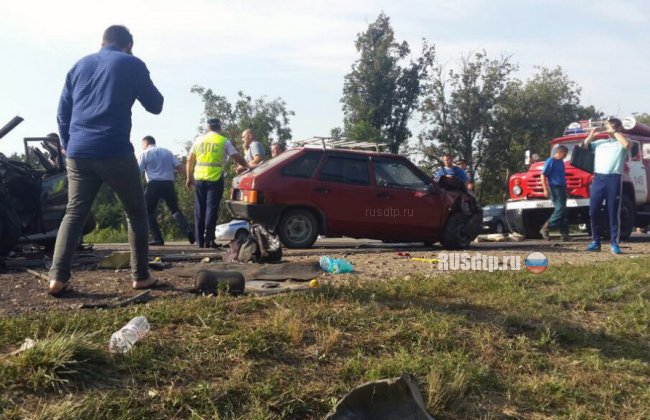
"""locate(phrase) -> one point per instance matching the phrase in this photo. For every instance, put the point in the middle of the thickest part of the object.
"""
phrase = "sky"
(301, 51)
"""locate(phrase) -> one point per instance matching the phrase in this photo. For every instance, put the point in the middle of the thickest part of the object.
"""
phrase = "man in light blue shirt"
(610, 154)
(159, 164)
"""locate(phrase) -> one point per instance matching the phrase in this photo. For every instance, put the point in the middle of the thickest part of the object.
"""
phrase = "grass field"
(571, 342)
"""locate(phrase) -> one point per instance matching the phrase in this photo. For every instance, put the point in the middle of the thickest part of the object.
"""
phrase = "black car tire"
(499, 228)
(532, 225)
(298, 228)
(454, 235)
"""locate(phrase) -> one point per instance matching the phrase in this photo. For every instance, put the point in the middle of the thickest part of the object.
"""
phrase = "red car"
(306, 191)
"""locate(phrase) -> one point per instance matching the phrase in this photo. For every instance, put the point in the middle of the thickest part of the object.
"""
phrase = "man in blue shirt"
(553, 175)
(610, 154)
(94, 119)
(159, 166)
(450, 170)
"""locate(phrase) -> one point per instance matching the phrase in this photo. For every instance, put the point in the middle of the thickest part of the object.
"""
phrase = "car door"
(341, 189)
(637, 172)
(406, 206)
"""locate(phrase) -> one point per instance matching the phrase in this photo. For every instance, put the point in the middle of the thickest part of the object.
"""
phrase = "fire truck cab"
(527, 209)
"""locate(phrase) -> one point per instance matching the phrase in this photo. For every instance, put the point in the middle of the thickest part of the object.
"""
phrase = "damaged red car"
(307, 191)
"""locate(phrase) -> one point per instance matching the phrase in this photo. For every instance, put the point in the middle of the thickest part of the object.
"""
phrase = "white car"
(235, 229)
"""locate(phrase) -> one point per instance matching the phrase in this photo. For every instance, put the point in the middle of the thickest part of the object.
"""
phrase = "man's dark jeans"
(559, 217)
(85, 176)
(154, 192)
(206, 210)
(605, 187)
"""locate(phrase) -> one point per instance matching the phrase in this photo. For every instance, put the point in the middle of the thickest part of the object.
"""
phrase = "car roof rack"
(339, 143)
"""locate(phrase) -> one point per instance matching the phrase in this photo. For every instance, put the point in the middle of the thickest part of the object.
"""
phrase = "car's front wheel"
(455, 234)
(298, 228)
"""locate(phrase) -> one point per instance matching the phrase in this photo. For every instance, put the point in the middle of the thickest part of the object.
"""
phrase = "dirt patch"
(373, 261)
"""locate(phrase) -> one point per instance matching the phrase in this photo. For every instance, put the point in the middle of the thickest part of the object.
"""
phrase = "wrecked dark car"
(33, 193)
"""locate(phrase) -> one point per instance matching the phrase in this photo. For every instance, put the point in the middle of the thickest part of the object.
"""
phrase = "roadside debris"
(123, 340)
(500, 237)
(427, 260)
(210, 282)
(335, 265)
(117, 260)
(394, 398)
(37, 274)
(407, 256)
(266, 288)
(261, 246)
(27, 344)
(158, 265)
(144, 296)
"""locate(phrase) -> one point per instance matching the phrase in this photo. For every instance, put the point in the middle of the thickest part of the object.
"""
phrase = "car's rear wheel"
(298, 228)
(455, 235)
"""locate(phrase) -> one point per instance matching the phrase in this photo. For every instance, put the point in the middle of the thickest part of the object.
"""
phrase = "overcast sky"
(301, 50)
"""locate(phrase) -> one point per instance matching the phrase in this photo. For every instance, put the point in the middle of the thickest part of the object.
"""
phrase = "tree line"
(477, 110)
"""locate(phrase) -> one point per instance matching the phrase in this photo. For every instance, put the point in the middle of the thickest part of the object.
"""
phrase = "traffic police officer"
(205, 165)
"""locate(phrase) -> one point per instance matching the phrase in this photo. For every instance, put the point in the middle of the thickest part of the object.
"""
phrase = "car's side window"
(303, 167)
(345, 170)
(394, 174)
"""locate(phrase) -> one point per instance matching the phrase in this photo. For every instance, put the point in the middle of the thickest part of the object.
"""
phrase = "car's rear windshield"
(271, 162)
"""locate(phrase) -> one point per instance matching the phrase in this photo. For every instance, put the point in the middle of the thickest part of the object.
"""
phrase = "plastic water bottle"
(124, 339)
(335, 265)
(343, 266)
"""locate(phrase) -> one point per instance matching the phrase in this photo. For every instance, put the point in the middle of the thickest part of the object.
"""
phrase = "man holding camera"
(610, 154)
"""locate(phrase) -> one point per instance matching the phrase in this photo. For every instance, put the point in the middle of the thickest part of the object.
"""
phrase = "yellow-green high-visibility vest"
(209, 157)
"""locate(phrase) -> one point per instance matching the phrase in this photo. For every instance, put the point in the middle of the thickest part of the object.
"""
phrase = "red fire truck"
(527, 209)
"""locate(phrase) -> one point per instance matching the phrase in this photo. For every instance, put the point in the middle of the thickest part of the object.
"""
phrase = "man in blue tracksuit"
(610, 154)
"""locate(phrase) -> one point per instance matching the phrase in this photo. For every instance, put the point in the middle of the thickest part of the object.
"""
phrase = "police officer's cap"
(214, 122)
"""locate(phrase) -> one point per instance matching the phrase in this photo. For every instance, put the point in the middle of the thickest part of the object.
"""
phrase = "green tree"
(379, 94)
(529, 114)
(269, 119)
(460, 107)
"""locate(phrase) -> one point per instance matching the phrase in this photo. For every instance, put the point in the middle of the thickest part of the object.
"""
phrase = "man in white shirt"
(159, 164)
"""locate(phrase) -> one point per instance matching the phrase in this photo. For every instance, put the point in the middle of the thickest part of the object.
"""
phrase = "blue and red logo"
(536, 262)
